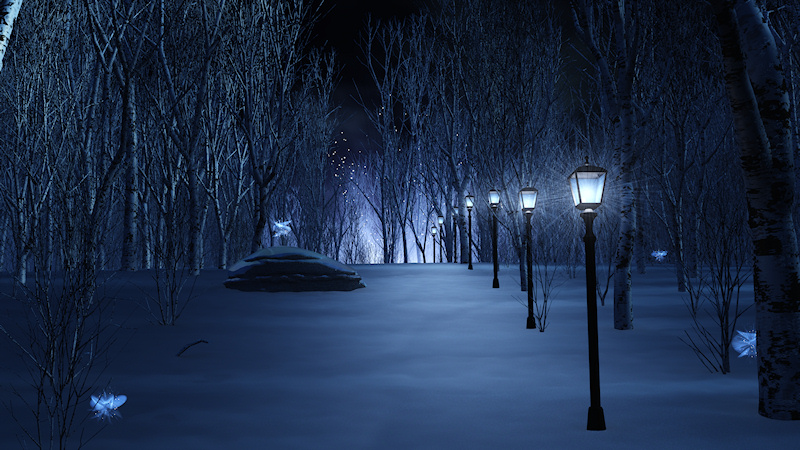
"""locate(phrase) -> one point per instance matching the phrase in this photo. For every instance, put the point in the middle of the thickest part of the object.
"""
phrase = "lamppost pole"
(469, 248)
(587, 184)
(455, 234)
(531, 324)
(433, 239)
(494, 202)
(440, 219)
(527, 197)
(596, 419)
(469, 202)
(495, 281)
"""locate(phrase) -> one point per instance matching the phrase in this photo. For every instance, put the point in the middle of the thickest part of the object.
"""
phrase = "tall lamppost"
(470, 202)
(433, 238)
(527, 197)
(440, 220)
(587, 183)
(455, 233)
(494, 202)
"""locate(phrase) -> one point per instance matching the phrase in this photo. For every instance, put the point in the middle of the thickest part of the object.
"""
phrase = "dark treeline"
(141, 134)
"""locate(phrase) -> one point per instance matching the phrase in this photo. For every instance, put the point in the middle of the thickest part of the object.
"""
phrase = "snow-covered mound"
(275, 269)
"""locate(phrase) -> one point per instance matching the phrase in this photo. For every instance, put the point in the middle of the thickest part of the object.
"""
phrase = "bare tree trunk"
(130, 238)
(758, 95)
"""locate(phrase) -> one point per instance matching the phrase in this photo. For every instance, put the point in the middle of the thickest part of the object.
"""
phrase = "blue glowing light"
(105, 406)
(281, 228)
(745, 343)
(659, 255)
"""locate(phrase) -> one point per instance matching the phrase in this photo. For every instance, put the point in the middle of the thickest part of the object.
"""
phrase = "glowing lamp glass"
(433, 231)
(587, 184)
(494, 198)
(440, 220)
(527, 198)
(470, 201)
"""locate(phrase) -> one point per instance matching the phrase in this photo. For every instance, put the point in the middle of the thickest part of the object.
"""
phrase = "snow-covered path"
(426, 356)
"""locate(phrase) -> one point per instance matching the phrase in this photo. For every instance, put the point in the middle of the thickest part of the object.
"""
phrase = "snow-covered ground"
(426, 356)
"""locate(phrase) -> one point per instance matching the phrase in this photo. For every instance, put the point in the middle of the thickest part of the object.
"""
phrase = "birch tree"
(9, 10)
(187, 94)
(450, 128)
(616, 70)
(315, 200)
(119, 38)
(757, 91)
(382, 48)
(270, 40)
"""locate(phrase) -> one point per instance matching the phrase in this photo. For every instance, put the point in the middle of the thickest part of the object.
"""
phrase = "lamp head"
(470, 201)
(527, 199)
(587, 183)
(494, 198)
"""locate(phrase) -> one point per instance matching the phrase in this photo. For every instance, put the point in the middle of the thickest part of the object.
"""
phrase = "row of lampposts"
(587, 184)
(440, 231)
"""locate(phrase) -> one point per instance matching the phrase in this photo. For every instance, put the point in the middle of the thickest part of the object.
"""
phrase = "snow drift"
(275, 269)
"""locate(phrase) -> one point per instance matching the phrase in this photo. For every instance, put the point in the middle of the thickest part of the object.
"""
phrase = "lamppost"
(587, 183)
(527, 197)
(470, 202)
(433, 238)
(440, 220)
(494, 202)
(455, 233)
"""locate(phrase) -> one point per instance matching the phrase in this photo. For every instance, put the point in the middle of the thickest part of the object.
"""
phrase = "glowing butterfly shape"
(745, 343)
(105, 406)
(659, 255)
(281, 228)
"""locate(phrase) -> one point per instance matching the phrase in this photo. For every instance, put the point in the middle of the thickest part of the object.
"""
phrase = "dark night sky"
(345, 20)
(340, 29)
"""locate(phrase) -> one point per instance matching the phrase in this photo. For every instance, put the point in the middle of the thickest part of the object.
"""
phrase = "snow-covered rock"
(275, 269)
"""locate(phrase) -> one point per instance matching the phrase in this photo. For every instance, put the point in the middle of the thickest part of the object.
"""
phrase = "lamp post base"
(597, 420)
(496, 283)
(531, 324)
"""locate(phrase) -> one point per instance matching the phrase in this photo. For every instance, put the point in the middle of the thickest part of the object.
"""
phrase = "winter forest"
(173, 136)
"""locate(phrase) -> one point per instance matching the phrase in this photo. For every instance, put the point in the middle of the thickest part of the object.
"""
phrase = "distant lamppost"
(455, 233)
(470, 202)
(494, 202)
(587, 184)
(433, 238)
(440, 220)
(527, 197)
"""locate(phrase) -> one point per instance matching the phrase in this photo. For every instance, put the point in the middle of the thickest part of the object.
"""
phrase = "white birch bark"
(759, 98)
(9, 10)
(617, 89)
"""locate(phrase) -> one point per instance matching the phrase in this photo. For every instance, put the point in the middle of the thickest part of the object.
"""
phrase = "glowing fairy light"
(105, 406)
(659, 255)
(281, 228)
(745, 343)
